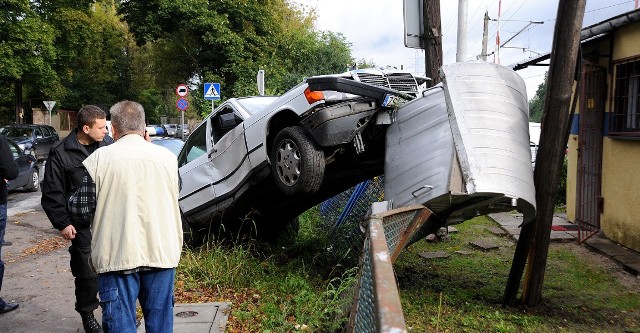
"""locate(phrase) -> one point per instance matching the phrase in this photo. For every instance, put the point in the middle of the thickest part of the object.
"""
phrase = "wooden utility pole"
(553, 140)
(432, 40)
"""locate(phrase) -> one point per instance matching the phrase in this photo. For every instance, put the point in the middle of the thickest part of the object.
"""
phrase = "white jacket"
(137, 219)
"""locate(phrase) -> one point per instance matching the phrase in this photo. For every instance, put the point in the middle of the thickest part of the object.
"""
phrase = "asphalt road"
(37, 271)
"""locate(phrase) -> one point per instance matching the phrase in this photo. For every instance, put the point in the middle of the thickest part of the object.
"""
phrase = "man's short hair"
(127, 116)
(88, 115)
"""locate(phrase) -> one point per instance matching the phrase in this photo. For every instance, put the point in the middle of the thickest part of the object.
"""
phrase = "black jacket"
(62, 177)
(8, 168)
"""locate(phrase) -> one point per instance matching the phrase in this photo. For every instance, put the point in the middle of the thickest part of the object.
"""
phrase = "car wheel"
(34, 183)
(297, 164)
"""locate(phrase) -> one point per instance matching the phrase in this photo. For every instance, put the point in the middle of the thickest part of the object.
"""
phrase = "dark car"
(29, 171)
(35, 140)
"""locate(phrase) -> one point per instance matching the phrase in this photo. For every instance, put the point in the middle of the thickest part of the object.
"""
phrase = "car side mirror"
(227, 121)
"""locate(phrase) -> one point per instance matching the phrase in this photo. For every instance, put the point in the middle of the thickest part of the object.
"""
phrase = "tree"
(26, 53)
(93, 54)
(229, 41)
(536, 104)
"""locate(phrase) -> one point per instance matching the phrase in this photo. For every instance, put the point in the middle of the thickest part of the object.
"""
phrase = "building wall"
(620, 219)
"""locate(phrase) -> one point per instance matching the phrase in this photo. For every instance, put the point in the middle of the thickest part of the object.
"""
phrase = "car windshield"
(16, 132)
(256, 104)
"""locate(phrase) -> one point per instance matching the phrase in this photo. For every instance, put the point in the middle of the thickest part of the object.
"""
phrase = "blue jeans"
(3, 227)
(118, 293)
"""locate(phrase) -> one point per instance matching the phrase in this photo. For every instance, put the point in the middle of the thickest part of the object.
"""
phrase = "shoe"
(90, 323)
(8, 307)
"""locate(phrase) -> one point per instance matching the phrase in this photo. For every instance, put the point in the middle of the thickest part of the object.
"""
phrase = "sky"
(375, 30)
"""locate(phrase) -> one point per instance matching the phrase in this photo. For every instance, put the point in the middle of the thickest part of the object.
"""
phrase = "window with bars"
(625, 115)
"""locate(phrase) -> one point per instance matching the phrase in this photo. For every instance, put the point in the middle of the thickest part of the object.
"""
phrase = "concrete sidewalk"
(565, 231)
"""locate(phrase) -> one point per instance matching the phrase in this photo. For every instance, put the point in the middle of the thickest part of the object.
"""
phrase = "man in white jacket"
(136, 233)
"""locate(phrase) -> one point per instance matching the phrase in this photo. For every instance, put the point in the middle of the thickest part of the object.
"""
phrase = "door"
(589, 200)
(230, 165)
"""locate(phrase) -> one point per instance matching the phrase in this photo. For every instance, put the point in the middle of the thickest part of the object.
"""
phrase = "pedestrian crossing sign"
(212, 91)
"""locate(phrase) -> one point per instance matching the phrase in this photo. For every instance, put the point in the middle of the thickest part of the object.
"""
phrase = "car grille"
(397, 81)
(402, 82)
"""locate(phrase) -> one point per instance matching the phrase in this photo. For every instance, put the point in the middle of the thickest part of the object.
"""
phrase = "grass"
(302, 286)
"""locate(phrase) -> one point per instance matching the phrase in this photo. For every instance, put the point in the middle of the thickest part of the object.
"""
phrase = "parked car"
(172, 144)
(151, 130)
(160, 131)
(170, 129)
(179, 131)
(109, 129)
(278, 156)
(34, 139)
(29, 171)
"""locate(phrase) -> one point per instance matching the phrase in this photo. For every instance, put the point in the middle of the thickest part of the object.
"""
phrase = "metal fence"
(342, 215)
(364, 229)
(377, 305)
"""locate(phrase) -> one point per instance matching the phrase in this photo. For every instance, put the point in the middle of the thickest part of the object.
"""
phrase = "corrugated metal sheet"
(462, 149)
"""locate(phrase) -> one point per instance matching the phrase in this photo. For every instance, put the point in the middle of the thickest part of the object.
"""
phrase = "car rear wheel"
(297, 164)
(34, 184)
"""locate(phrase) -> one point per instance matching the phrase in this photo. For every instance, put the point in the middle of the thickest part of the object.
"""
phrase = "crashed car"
(272, 158)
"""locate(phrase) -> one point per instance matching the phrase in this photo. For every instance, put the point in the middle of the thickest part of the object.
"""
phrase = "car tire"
(296, 163)
(34, 183)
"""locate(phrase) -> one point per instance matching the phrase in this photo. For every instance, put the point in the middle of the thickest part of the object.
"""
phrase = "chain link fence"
(342, 214)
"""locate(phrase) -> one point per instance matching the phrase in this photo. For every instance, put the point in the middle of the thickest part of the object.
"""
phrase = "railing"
(377, 305)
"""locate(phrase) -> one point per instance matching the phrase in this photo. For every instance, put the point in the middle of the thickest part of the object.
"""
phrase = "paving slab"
(198, 318)
(560, 236)
(609, 248)
(496, 231)
(627, 258)
(484, 244)
(435, 255)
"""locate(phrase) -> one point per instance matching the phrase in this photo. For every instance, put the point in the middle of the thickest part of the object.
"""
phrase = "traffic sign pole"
(182, 125)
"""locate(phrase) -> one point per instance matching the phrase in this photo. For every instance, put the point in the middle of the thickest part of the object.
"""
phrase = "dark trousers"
(3, 226)
(86, 279)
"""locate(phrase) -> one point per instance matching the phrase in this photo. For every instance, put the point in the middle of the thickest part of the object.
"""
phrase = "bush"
(561, 189)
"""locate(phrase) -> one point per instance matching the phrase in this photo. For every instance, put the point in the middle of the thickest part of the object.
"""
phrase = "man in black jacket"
(62, 177)
(8, 171)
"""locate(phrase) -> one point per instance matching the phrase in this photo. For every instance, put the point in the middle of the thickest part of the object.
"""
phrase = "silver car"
(170, 129)
(271, 158)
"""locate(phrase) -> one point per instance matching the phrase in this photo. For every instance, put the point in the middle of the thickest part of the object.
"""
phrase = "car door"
(195, 171)
(41, 142)
(230, 165)
(24, 167)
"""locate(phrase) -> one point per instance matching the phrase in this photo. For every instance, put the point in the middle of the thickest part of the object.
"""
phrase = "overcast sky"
(376, 31)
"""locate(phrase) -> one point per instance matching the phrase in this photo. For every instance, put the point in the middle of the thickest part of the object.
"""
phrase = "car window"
(224, 121)
(45, 131)
(195, 146)
(38, 133)
(14, 150)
